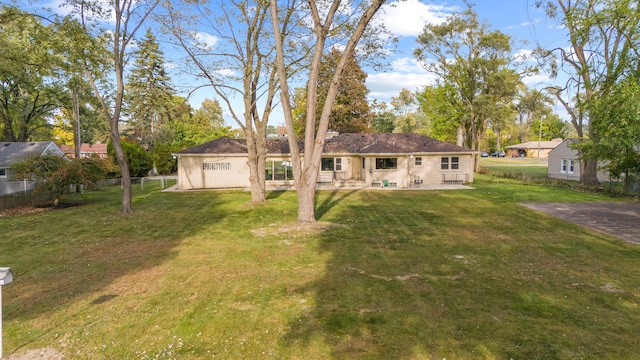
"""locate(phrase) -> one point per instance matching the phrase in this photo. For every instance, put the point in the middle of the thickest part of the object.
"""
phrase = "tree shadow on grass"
(64, 254)
(331, 200)
(423, 281)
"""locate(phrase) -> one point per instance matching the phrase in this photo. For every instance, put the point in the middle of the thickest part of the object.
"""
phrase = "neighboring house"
(533, 148)
(13, 152)
(98, 151)
(564, 163)
(93, 150)
(349, 160)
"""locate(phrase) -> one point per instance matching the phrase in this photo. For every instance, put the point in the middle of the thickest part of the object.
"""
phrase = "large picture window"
(279, 170)
(386, 163)
(327, 164)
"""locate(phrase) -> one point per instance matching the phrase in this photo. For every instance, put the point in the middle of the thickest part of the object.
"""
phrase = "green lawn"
(466, 274)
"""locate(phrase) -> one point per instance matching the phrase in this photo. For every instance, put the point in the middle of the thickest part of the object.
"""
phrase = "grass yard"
(524, 169)
(464, 274)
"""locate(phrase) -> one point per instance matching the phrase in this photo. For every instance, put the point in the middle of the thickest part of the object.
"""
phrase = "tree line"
(58, 69)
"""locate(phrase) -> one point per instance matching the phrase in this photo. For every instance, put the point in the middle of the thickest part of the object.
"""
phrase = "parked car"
(498, 154)
(484, 154)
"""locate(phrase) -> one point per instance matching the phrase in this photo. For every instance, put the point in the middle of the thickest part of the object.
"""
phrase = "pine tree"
(148, 93)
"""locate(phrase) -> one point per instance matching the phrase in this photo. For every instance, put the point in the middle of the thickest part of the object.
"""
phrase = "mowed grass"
(524, 169)
(466, 274)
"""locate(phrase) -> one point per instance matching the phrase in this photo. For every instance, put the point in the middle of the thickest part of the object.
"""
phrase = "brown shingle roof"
(351, 143)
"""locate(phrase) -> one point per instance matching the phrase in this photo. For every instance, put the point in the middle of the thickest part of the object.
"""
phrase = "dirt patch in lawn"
(620, 219)
(293, 229)
(37, 354)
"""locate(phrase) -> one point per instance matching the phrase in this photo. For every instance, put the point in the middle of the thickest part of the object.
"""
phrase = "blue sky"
(518, 18)
(406, 19)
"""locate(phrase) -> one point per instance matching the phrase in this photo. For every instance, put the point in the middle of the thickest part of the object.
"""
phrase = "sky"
(518, 18)
(527, 25)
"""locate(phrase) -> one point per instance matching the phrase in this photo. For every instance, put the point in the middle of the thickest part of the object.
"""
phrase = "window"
(444, 163)
(563, 166)
(418, 161)
(3, 173)
(455, 163)
(338, 164)
(279, 170)
(386, 163)
(363, 164)
(269, 170)
(327, 164)
(452, 163)
(570, 166)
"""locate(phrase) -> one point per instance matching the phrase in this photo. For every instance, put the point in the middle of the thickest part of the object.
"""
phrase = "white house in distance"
(13, 152)
(350, 160)
(564, 163)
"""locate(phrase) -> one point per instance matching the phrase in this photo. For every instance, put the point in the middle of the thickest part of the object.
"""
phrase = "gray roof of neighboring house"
(535, 144)
(348, 143)
(12, 152)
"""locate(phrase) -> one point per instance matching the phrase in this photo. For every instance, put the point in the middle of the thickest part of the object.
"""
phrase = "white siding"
(212, 172)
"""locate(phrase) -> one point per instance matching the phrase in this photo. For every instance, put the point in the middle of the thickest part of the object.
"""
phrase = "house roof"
(565, 144)
(93, 148)
(12, 152)
(534, 145)
(348, 143)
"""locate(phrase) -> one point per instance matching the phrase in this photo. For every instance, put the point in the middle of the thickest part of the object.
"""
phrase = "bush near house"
(54, 174)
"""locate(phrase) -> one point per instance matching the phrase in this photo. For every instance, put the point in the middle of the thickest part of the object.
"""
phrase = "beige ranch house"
(349, 160)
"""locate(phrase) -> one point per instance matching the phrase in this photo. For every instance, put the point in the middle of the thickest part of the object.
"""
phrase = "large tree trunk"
(124, 171)
(256, 161)
(306, 189)
(589, 172)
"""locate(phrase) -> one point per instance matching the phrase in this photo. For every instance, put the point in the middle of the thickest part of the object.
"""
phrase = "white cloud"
(537, 79)
(205, 40)
(406, 74)
(408, 18)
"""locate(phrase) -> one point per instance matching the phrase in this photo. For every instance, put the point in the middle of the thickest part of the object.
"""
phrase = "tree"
(306, 170)
(443, 111)
(139, 160)
(55, 173)
(532, 106)
(350, 113)
(553, 127)
(30, 88)
(194, 128)
(603, 51)
(240, 63)
(129, 16)
(477, 64)
(407, 118)
(148, 92)
(212, 110)
(618, 127)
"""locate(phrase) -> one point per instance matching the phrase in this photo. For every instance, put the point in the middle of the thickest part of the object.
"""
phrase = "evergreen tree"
(351, 112)
(149, 93)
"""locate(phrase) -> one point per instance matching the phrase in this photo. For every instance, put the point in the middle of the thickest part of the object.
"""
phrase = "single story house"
(533, 148)
(13, 152)
(97, 150)
(349, 160)
(564, 163)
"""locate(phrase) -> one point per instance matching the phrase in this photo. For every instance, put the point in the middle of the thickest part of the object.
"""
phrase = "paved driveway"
(621, 219)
